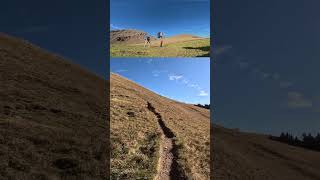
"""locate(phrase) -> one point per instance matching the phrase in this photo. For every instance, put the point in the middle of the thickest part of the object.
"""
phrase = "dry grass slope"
(135, 133)
(53, 116)
(239, 155)
(177, 46)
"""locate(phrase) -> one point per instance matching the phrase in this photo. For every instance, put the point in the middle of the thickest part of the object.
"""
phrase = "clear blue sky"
(267, 65)
(169, 16)
(73, 29)
(183, 79)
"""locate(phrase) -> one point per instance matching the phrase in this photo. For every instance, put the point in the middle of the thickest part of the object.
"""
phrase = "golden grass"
(53, 118)
(191, 48)
(189, 123)
(134, 137)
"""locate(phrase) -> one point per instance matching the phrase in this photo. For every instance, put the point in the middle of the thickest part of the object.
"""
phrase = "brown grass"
(189, 124)
(53, 118)
(238, 155)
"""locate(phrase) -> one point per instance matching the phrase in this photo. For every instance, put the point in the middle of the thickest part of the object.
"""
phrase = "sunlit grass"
(193, 48)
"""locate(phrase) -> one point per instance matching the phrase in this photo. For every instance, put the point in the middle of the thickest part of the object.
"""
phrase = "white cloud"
(203, 93)
(175, 77)
(112, 26)
(188, 83)
(193, 85)
(157, 73)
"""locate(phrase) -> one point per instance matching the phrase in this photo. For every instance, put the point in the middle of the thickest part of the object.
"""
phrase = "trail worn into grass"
(138, 131)
(167, 164)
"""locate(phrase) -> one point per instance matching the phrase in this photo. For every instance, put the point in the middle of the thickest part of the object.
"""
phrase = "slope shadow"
(203, 48)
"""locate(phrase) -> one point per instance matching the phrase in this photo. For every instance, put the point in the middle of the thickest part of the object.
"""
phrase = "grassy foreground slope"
(135, 133)
(191, 48)
(53, 116)
(238, 155)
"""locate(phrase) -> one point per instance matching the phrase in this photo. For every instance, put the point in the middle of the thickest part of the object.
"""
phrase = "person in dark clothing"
(147, 41)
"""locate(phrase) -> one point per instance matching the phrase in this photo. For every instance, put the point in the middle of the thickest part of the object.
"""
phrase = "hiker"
(147, 41)
(161, 36)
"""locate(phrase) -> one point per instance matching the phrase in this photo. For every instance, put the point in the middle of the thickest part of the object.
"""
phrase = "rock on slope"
(127, 36)
(239, 155)
(138, 119)
(53, 116)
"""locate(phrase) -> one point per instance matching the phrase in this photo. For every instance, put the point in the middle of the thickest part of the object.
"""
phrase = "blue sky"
(182, 79)
(170, 16)
(73, 29)
(267, 65)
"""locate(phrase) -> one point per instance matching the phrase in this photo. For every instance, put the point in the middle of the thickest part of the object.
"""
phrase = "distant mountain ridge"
(130, 36)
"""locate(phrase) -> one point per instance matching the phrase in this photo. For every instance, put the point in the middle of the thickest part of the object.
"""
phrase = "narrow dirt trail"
(167, 164)
(165, 159)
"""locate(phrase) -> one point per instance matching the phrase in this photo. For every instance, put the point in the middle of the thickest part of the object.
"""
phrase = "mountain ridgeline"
(306, 141)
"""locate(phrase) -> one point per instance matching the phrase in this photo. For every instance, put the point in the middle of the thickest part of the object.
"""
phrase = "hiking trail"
(167, 165)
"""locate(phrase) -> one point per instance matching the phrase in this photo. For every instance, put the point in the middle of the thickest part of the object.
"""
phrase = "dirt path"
(165, 159)
(167, 164)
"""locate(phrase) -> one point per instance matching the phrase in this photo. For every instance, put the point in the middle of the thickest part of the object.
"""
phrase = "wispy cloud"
(297, 100)
(156, 73)
(115, 27)
(188, 83)
(174, 77)
(285, 84)
(294, 100)
(185, 81)
(258, 72)
(203, 93)
(195, 86)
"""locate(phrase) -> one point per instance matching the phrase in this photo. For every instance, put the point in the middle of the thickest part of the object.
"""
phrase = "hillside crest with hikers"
(137, 43)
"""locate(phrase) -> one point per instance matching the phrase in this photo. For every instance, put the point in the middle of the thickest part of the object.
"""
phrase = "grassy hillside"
(139, 121)
(191, 48)
(238, 155)
(53, 118)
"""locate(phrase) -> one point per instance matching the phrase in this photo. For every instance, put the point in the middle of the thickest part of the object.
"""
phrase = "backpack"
(160, 34)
